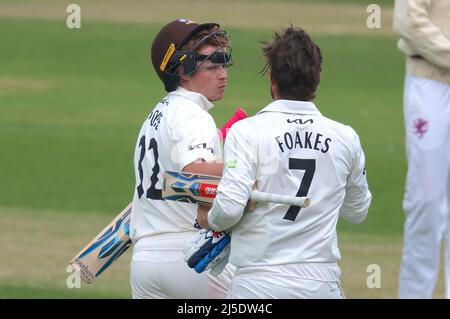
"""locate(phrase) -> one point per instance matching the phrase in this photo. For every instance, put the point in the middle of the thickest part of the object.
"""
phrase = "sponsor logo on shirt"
(300, 121)
(201, 145)
(231, 164)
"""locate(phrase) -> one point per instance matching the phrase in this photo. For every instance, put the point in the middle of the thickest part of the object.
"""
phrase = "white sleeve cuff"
(221, 219)
(358, 213)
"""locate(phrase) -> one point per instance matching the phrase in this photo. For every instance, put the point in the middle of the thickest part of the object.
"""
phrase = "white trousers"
(291, 281)
(427, 197)
(158, 271)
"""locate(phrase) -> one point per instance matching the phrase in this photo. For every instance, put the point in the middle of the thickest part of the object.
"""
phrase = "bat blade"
(105, 248)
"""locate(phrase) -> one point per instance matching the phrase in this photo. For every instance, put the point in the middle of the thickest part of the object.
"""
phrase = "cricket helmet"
(167, 55)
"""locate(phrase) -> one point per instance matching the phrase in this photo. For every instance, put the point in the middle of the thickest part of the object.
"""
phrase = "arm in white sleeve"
(194, 136)
(419, 36)
(357, 195)
(220, 219)
(234, 189)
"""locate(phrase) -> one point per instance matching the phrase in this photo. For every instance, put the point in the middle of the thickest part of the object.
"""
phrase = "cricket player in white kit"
(289, 148)
(191, 60)
(424, 30)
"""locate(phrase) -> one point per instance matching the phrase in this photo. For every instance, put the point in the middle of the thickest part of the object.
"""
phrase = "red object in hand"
(238, 115)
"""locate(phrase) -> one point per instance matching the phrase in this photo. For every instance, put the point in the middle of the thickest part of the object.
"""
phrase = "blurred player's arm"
(419, 36)
(202, 167)
(357, 195)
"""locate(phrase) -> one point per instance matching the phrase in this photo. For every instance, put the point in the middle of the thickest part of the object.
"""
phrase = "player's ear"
(269, 73)
(183, 77)
(273, 86)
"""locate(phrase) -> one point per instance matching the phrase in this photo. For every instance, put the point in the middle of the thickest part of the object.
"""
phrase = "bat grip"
(237, 116)
(258, 196)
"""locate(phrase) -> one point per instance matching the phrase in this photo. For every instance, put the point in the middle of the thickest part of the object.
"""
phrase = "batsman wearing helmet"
(179, 135)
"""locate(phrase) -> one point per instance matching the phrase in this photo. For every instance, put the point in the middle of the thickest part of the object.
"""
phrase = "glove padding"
(208, 249)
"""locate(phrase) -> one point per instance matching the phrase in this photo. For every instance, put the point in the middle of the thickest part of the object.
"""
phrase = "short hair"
(295, 62)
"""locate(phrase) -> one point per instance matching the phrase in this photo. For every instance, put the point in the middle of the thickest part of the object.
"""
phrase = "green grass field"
(72, 103)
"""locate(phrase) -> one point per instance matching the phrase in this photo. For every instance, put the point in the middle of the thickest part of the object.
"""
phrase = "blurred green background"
(72, 102)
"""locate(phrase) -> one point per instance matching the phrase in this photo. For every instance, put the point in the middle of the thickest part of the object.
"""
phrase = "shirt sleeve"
(235, 187)
(419, 36)
(357, 195)
(194, 134)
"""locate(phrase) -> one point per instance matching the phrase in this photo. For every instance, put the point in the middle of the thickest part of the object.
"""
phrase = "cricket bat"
(201, 189)
(114, 239)
(105, 248)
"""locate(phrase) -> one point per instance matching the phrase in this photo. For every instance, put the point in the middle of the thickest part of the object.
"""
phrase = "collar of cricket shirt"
(291, 107)
(198, 98)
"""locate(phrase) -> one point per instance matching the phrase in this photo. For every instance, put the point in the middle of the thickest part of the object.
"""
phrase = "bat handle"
(237, 116)
(258, 196)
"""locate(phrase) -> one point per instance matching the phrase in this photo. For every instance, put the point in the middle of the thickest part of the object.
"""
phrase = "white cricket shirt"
(289, 148)
(178, 131)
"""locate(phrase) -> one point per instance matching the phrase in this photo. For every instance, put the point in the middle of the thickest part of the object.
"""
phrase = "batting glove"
(208, 249)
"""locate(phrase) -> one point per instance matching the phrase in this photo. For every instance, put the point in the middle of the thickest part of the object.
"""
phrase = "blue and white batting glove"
(208, 249)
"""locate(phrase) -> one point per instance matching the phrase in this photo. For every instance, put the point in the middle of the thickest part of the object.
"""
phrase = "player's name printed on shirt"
(155, 118)
(303, 140)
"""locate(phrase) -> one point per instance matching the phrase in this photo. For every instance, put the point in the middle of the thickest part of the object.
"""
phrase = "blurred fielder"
(424, 30)
(179, 134)
(286, 251)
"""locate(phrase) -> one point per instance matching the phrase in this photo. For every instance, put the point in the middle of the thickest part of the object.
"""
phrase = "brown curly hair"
(295, 62)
